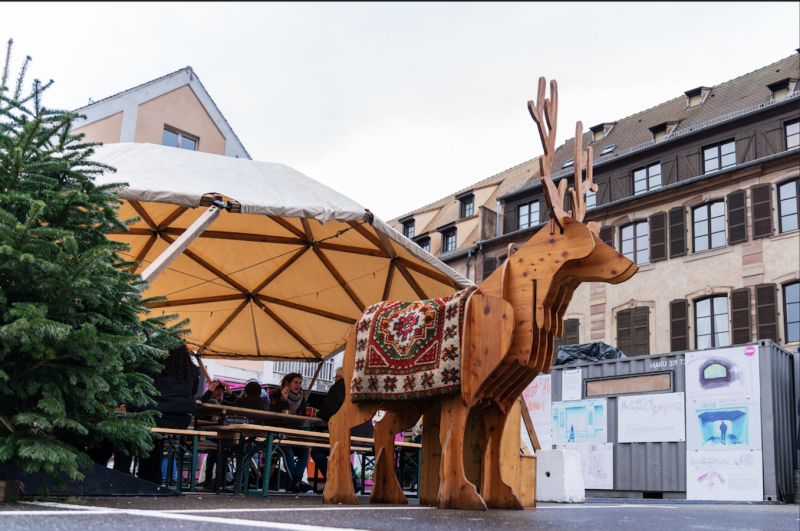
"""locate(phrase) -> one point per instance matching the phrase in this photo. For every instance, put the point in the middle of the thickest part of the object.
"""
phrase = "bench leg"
(385, 487)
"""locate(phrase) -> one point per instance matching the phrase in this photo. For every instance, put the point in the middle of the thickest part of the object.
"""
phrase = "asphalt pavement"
(306, 513)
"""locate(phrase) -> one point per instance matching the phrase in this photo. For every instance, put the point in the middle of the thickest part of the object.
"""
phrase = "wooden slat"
(239, 236)
(143, 253)
(309, 235)
(413, 283)
(430, 273)
(208, 266)
(281, 269)
(143, 214)
(222, 327)
(324, 259)
(300, 339)
(198, 300)
(136, 231)
(526, 418)
(175, 214)
(388, 286)
(359, 228)
(170, 431)
(288, 226)
(351, 249)
(307, 309)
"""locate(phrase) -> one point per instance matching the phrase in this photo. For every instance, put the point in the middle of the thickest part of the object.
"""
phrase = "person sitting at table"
(252, 398)
(333, 401)
(289, 398)
(218, 392)
(177, 386)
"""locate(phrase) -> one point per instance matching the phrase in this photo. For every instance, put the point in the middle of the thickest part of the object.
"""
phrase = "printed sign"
(651, 418)
(597, 463)
(571, 384)
(580, 421)
(538, 399)
(734, 476)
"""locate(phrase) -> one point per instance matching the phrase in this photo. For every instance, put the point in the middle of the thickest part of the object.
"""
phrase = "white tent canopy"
(280, 280)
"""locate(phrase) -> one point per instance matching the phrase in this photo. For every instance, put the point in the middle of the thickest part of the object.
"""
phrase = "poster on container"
(571, 384)
(722, 373)
(537, 398)
(597, 463)
(651, 418)
(724, 476)
(580, 421)
(725, 424)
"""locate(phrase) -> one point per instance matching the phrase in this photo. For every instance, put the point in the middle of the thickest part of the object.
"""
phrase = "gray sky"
(398, 105)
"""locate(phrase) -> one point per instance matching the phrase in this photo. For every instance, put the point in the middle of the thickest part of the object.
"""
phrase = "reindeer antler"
(577, 194)
(546, 111)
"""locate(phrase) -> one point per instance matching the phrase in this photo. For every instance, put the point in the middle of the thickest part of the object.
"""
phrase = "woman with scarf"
(289, 397)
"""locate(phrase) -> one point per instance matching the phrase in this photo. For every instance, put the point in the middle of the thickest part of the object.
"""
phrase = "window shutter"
(691, 163)
(567, 203)
(603, 192)
(740, 316)
(658, 237)
(572, 331)
(625, 331)
(641, 331)
(669, 171)
(762, 210)
(772, 137)
(509, 218)
(607, 235)
(745, 146)
(737, 217)
(620, 185)
(489, 265)
(766, 312)
(543, 214)
(679, 325)
(677, 232)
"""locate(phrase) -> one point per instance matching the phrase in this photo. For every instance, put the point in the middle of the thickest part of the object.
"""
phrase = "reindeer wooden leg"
(431, 464)
(494, 489)
(455, 490)
(385, 487)
(339, 484)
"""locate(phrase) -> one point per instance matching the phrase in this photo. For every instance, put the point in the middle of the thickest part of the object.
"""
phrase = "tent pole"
(314, 379)
(202, 368)
(166, 258)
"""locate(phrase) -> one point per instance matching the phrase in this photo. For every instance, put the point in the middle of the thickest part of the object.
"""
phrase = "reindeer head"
(540, 278)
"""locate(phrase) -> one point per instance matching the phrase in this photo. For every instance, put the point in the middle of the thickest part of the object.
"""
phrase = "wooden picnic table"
(256, 415)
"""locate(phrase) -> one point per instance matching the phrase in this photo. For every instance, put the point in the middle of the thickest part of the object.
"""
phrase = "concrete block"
(558, 477)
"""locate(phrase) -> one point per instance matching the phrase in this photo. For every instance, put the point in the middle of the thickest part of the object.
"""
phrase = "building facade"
(700, 191)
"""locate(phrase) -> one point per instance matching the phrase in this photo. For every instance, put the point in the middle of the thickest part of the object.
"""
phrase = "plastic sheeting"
(586, 353)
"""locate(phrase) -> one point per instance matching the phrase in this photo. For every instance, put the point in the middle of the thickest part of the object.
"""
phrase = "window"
(590, 199)
(608, 149)
(709, 226)
(568, 164)
(647, 179)
(467, 207)
(528, 215)
(425, 244)
(598, 135)
(711, 322)
(571, 334)
(788, 204)
(659, 135)
(408, 229)
(791, 309)
(719, 156)
(448, 241)
(792, 135)
(695, 100)
(179, 140)
(635, 242)
(627, 385)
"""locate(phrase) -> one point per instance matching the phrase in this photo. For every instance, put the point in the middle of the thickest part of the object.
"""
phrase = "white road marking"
(632, 506)
(298, 509)
(53, 513)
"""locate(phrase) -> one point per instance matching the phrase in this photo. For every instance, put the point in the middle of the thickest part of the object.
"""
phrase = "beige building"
(700, 191)
(176, 110)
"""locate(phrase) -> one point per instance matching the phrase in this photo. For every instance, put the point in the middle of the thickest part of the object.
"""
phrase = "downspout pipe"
(496, 221)
(469, 256)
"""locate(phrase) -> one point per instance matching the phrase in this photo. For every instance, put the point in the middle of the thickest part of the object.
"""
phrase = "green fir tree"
(74, 341)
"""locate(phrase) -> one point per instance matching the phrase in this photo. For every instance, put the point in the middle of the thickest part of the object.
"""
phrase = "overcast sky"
(398, 105)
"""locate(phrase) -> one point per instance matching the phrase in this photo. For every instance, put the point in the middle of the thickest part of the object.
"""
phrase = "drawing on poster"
(580, 421)
(723, 373)
(651, 418)
(732, 476)
(538, 399)
(597, 463)
(571, 382)
(724, 425)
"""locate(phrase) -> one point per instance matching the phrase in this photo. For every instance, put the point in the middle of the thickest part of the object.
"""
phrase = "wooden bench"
(177, 448)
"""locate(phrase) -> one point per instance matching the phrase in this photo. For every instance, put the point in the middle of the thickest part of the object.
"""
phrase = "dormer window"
(608, 149)
(696, 96)
(661, 131)
(408, 228)
(466, 208)
(780, 91)
(600, 131)
(568, 164)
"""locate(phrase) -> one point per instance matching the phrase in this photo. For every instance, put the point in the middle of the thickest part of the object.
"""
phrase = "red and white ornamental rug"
(409, 350)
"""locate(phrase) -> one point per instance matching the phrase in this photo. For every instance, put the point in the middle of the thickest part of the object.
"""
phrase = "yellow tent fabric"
(286, 276)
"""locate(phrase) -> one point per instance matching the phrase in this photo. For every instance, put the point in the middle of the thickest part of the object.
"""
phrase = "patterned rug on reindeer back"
(409, 350)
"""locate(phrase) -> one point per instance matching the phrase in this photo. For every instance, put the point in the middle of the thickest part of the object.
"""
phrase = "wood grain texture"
(385, 487)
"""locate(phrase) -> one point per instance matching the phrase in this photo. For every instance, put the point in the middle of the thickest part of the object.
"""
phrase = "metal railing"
(306, 369)
(674, 134)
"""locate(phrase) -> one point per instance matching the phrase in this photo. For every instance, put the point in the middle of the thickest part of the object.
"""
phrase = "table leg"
(192, 480)
(267, 467)
(181, 451)
(240, 460)
(222, 466)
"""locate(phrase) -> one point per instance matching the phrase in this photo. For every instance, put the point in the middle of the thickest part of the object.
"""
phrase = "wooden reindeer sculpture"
(505, 330)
